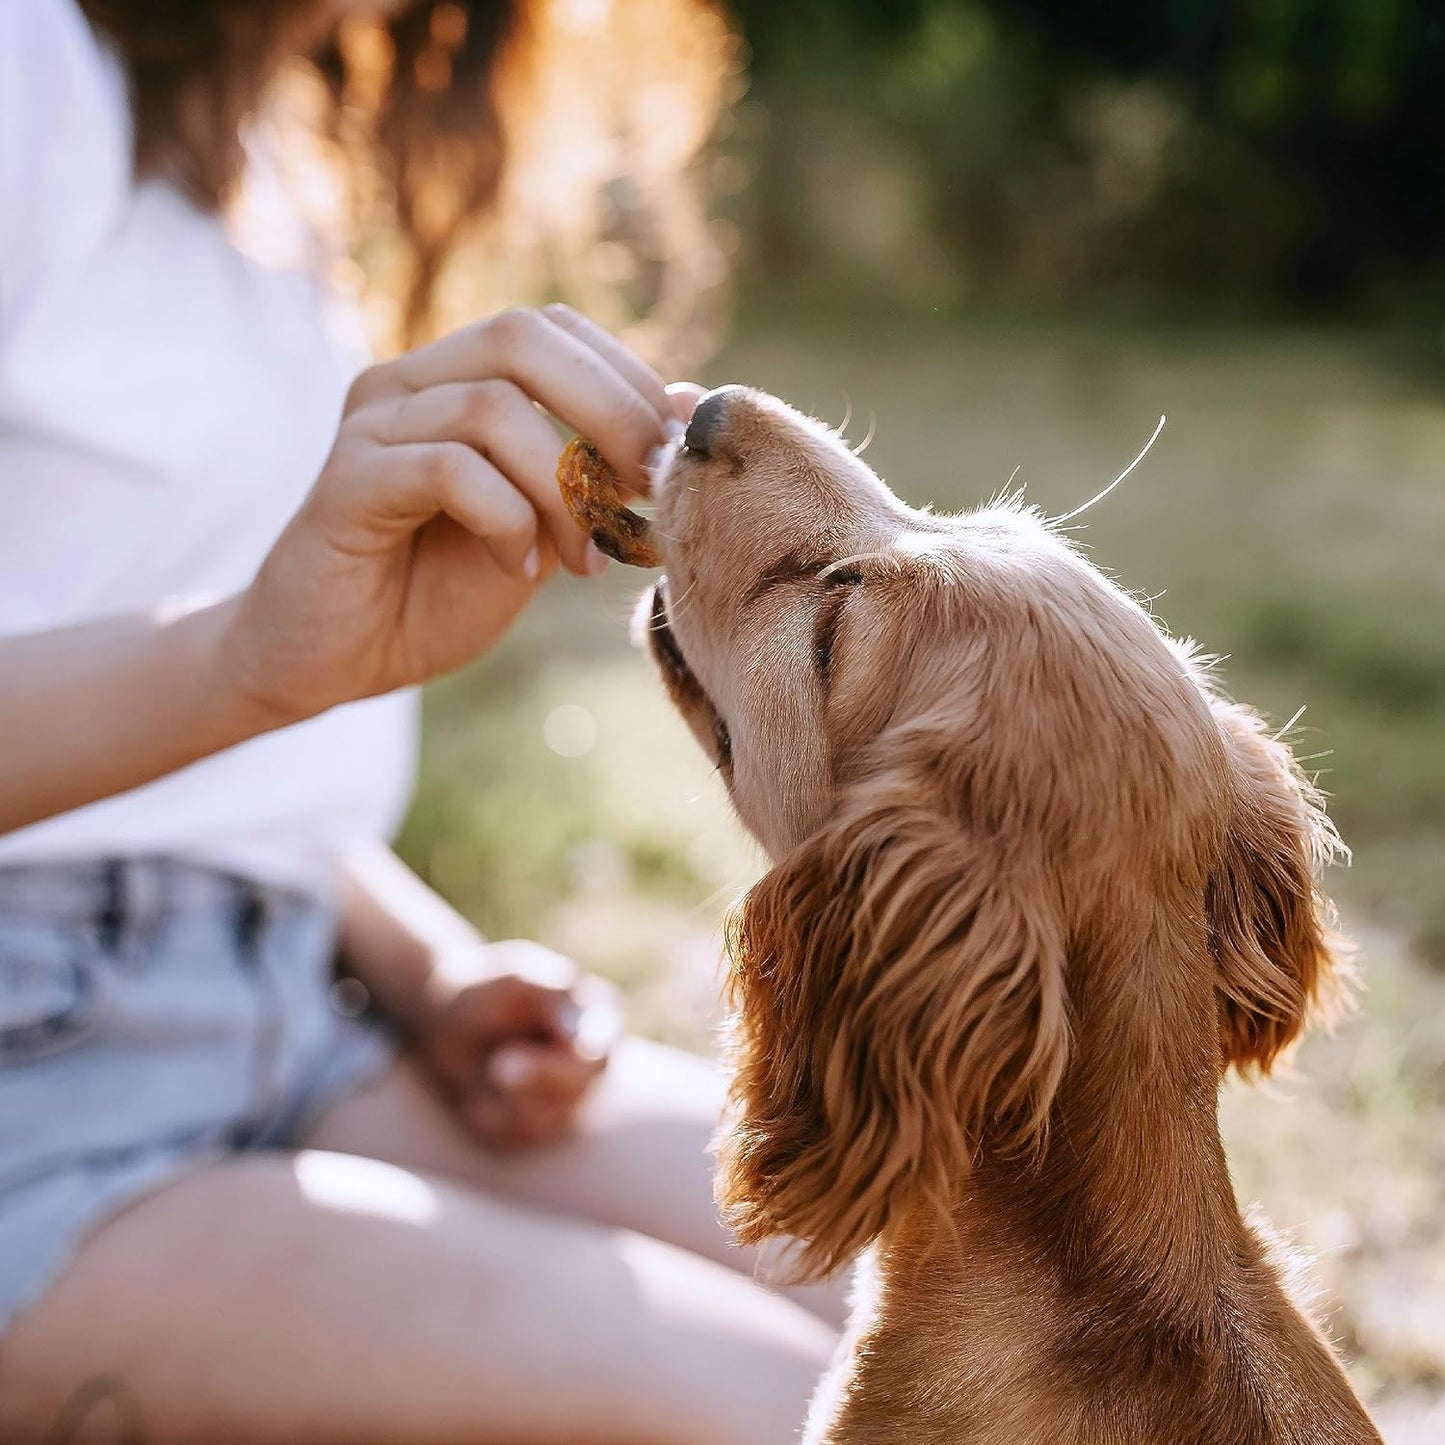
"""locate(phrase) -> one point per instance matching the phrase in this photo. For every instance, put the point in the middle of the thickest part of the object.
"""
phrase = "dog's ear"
(1275, 954)
(899, 1000)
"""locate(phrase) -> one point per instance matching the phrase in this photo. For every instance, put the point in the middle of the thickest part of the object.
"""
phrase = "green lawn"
(1292, 516)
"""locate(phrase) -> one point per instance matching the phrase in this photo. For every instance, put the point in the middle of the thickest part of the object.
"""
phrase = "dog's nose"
(707, 419)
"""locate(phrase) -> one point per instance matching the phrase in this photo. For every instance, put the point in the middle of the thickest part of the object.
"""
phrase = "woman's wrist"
(413, 989)
(417, 995)
(249, 700)
(208, 642)
(410, 948)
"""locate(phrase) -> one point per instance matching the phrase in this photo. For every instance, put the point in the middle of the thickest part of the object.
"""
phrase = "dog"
(1036, 886)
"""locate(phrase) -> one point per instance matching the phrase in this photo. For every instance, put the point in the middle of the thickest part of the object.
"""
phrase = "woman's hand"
(513, 1036)
(433, 522)
(517, 1041)
(437, 514)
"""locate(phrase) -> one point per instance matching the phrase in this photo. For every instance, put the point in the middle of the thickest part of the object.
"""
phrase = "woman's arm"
(93, 710)
(403, 940)
(432, 524)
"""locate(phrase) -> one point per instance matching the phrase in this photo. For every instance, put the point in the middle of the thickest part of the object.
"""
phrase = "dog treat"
(590, 489)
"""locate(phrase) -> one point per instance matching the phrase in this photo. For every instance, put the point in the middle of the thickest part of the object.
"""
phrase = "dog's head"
(990, 787)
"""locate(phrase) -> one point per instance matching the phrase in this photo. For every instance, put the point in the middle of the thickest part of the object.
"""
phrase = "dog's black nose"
(707, 419)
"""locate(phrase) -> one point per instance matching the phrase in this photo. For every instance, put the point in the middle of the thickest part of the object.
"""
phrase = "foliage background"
(1277, 154)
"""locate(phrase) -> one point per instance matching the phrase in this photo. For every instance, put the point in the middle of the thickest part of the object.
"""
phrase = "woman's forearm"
(93, 710)
(405, 942)
(96, 709)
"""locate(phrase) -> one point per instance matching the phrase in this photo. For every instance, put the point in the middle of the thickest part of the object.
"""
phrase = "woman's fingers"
(496, 419)
(480, 387)
(625, 417)
(413, 482)
(546, 1073)
(648, 383)
(531, 1093)
(527, 1093)
(683, 397)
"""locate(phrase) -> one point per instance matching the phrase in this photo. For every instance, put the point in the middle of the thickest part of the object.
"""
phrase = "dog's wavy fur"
(1037, 886)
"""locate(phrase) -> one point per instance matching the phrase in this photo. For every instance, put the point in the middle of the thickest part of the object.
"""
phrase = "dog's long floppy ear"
(899, 1001)
(1274, 950)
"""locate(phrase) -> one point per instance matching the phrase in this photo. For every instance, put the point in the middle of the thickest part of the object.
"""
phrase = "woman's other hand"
(516, 1038)
(437, 514)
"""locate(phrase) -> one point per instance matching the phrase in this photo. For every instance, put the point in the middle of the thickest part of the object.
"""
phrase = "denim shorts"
(155, 1015)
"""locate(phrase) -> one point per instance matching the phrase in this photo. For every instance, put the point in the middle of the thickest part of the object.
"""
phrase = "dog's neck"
(1132, 1197)
(1115, 1268)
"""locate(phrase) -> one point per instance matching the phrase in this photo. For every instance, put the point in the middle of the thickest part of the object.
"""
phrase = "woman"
(227, 1211)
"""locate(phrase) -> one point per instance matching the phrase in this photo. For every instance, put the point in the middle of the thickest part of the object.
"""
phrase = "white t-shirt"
(166, 400)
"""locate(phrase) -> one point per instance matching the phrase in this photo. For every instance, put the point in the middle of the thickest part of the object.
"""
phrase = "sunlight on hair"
(607, 127)
(583, 16)
(448, 26)
(351, 1185)
(912, 545)
(605, 119)
(367, 50)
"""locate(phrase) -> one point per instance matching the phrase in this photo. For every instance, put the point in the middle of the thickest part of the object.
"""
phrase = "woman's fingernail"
(511, 1069)
(532, 565)
(598, 1031)
(568, 1017)
(674, 428)
(594, 561)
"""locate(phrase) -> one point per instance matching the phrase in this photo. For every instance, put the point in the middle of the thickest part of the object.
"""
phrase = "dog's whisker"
(676, 607)
(1069, 516)
(724, 892)
(847, 414)
(845, 562)
(867, 436)
(678, 601)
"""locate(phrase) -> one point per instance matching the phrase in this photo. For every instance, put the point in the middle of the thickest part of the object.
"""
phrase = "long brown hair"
(445, 118)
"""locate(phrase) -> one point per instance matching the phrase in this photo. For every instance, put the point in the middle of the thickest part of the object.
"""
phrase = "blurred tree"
(1343, 95)
(1293, 149)
(784, 35)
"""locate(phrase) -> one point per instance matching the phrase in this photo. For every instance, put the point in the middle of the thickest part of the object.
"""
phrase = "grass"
(1292, 516)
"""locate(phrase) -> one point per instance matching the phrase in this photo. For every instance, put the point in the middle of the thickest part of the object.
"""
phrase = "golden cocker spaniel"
(1036, 886)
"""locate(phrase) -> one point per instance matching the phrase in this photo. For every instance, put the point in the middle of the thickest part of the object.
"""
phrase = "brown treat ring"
(590, 489)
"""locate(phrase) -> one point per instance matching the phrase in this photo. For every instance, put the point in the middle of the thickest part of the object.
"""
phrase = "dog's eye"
(825, 625)
(723, 741)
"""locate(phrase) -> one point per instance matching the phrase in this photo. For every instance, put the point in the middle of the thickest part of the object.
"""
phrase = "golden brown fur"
(1036, 887)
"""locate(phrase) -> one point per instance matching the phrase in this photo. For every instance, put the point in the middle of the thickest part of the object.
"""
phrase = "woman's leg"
(326, 1298)
(638, 1159)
